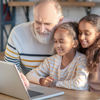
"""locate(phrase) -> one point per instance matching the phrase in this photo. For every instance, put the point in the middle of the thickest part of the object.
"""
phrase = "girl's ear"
(75, 44)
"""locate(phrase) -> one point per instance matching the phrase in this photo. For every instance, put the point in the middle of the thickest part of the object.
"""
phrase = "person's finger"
(22, 76)
(26, 82)
(46, 81)
(49, 79)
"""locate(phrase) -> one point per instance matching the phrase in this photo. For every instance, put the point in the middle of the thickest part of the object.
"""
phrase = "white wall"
(74, 13)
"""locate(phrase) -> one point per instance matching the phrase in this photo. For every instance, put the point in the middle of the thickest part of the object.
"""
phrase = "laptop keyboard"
(34, 93)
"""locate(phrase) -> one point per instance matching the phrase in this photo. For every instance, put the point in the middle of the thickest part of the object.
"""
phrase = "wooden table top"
(68, 95)
(2, 55)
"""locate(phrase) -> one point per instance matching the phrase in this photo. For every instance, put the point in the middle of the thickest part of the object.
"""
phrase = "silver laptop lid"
(10, 83)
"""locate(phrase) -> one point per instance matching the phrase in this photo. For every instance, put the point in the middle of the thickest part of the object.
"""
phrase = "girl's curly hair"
(93, 52)
(93, 55)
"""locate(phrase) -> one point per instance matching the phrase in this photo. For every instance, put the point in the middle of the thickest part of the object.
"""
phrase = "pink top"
(94, 80)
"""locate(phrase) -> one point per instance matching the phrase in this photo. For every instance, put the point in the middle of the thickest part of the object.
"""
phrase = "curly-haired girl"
(89, 37)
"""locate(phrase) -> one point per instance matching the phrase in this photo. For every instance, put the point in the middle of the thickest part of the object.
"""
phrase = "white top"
(74, 76)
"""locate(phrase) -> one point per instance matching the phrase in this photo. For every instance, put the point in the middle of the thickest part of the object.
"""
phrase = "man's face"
(45, 21)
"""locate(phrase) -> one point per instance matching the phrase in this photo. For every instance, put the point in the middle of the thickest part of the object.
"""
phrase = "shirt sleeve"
(40, 72)
(80, 81)
(11, 52)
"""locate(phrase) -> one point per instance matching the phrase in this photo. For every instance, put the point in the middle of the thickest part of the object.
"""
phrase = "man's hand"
(26, 82)
(48, 81)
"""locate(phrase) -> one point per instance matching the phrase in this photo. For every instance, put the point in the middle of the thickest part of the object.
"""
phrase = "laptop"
(11, 84)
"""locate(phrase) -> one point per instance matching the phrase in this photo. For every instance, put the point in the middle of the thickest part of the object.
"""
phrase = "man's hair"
(56, 3)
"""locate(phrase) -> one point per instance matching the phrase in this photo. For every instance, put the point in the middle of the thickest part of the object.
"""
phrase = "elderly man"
(30, 43)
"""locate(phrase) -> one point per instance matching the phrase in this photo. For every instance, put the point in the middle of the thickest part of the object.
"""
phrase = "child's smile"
(59, 50)
(87, 34)
(63, 43)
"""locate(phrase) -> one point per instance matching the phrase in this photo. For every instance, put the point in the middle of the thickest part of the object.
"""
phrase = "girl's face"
(87, 34)
(63, 43)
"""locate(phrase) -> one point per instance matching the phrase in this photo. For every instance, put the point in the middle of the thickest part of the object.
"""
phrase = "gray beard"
(43, 39)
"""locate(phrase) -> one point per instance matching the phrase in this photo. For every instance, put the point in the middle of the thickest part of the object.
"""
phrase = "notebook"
(12, 84)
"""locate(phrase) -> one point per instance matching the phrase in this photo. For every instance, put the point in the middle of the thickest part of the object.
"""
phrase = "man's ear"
(60, 21)
(75, 44)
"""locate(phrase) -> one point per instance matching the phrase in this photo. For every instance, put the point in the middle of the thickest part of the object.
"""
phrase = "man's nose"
(42, 28)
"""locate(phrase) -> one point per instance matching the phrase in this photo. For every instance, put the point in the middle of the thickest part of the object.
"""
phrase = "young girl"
(67, 68)
(89, 37)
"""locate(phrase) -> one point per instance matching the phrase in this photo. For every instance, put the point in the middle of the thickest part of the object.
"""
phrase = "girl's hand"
(47, 81)
(26, 82)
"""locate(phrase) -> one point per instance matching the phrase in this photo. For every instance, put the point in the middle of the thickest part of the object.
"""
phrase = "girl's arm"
(40, 72)
(80, 81)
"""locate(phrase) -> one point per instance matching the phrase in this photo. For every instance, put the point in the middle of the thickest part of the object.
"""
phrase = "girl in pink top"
(89, 37)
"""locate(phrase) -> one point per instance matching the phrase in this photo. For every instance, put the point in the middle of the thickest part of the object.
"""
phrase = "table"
(68, 95)
(2, 55)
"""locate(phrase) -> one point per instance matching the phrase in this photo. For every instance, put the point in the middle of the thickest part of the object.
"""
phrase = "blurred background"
(11, 14)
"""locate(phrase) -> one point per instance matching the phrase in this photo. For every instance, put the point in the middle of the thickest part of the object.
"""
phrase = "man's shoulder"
(23, 25)
(22, 29)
